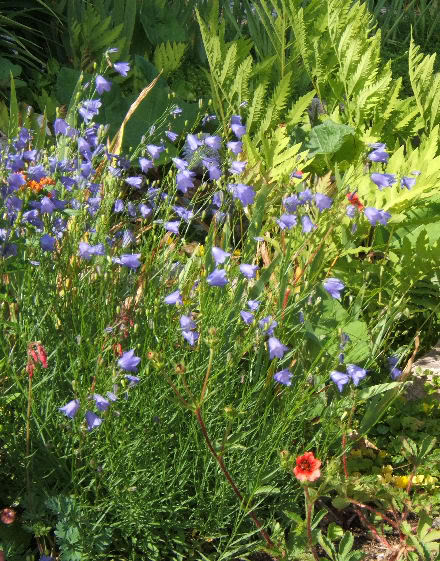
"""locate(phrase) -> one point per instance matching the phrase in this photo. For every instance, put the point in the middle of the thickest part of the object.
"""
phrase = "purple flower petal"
(101, 403)
(283, 377)
(174, 298)
(356, 373)
(217, 278)
(383, 180)
(287, 221)
(247, 317)
(122, 68)
(322, 201)
(276, 348)
(334, 287)
(249, 271)
(71, 408)
(190, 336)
(340, 379)
(219, 255)
(93, 420)
(102, 85)
(243, 193)
(129, 361)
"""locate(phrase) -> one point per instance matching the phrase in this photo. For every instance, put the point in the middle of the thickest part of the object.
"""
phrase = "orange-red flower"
(354, 200)
(307, 467)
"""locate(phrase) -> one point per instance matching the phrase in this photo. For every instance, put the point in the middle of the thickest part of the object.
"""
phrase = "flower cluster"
(128, 362)
(354, 373)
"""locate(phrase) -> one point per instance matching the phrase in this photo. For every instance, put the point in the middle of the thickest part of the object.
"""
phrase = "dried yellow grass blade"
(114, 147)
(116, 144)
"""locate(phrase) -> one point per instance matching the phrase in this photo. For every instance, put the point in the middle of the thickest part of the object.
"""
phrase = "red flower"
(307, 467)
(42, 355)
(354, 200)
(33, 354)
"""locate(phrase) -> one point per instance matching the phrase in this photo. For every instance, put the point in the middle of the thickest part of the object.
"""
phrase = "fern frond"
(256, 106)
(168, 56)
(228, 64)
(296, 112)
(240, 86)
(425, 85)
(276, 104)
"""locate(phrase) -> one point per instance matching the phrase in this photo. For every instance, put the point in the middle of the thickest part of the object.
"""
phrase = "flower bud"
(180, 368)
(230, 412)
(42, 355)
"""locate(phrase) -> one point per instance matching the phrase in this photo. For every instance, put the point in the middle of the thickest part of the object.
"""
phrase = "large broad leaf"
(333, 317)
(6, 69)
(328, 138)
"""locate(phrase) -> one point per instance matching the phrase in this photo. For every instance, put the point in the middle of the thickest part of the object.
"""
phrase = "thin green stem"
(226, 473)
(208, 372)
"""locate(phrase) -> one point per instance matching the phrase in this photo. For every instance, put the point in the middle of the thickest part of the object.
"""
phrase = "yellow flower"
(387, 469)
(430, 480)
(201, 250)
(418, 479)
(237, 252)
(401, 481)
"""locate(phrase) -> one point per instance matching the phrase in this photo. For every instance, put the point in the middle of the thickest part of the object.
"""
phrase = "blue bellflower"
(247, 317)
(92, 420)
(334, 287)
(276, 348)
(243, 193)
(174, 298)
(249, 271)
(219, 255)
(71, 408)
(217, 278)
(375, 215)
(287, 221)
(383, 180)
(283, 377)
(129, 361)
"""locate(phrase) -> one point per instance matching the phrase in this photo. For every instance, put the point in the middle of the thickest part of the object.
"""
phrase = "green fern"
(395, 199)
(426, 85)
(275, 106)
(275, 159)
(92, 35)
(298, 108)
(256, 106)
(168, 56)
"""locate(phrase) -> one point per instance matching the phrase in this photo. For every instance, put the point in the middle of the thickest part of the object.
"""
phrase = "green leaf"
(296, 112)
(334, 531)
(425, 447)
(328, 138)
(346, 545)
(409, 447)
(367, 393)
(318, 517)
(326, 545)
(6, 69)
(267, 490)
(340, 502)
